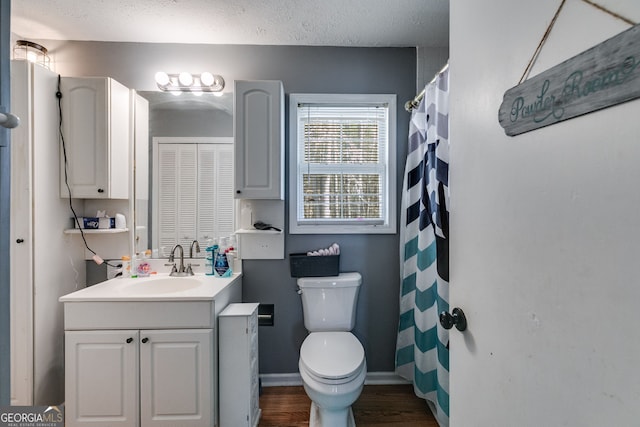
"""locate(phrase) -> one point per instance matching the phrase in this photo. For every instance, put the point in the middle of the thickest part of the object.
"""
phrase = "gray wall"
(302, 70)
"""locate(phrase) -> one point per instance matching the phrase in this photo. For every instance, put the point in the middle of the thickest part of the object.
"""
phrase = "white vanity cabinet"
(259, 139)
(239, 397)
(143, 352)
(170, 373)
(96, 130)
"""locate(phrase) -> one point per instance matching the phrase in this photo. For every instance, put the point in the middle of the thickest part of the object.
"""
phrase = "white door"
(176, 378)
(101, 378)
(193, 191)
(545, 242)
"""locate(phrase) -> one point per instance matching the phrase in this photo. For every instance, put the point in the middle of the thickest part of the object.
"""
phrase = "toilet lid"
(332, 355)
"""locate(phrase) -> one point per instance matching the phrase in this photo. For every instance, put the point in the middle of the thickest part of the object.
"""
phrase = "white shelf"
(256, 231)
(96, 230)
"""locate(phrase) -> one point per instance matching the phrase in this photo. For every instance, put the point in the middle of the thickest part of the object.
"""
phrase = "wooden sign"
(605, 75)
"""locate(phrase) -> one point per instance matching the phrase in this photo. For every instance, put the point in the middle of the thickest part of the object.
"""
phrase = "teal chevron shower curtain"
(422, 350)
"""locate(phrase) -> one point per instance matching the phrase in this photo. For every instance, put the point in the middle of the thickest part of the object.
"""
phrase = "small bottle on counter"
(126, 266)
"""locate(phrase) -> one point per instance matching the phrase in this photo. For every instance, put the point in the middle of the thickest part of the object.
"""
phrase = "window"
(342, 164)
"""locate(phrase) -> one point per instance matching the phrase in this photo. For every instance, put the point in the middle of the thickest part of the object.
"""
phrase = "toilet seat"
(332, 357)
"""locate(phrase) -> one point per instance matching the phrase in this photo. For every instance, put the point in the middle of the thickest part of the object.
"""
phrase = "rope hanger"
(553, 21)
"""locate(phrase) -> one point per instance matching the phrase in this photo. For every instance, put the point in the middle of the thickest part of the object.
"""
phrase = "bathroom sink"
(161, 285)
(156, 302)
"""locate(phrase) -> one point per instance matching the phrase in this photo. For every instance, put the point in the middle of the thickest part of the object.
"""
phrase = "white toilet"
(332, 363)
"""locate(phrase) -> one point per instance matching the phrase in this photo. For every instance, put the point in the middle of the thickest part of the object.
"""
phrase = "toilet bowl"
(332, 363)
(333, 370)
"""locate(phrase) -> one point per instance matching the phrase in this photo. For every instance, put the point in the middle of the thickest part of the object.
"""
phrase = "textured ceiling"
(380, 23)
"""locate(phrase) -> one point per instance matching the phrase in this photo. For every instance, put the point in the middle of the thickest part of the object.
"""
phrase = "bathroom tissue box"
(303, 265)
(93, 223)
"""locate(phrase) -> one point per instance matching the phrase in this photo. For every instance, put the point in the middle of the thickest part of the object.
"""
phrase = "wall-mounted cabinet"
(259, 165)
(96, 130)
(259, 139)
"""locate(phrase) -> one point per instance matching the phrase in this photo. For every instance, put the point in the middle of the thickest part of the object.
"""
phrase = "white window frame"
(389, 185)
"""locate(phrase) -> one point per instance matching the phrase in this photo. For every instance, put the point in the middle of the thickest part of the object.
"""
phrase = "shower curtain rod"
(411, 104)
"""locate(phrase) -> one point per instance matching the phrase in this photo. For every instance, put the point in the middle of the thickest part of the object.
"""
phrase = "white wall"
(545, 233)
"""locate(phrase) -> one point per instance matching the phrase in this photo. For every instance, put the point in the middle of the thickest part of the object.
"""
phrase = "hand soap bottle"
(144, 268)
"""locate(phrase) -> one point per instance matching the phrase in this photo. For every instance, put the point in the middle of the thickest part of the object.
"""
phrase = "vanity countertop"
(157, 287)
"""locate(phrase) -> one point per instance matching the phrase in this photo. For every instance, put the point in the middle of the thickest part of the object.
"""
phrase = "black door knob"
(19, 240)
(145, 340)
(456, 317)
(129, 340)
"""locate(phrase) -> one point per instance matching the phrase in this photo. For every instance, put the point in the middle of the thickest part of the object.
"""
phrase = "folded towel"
(334, 249)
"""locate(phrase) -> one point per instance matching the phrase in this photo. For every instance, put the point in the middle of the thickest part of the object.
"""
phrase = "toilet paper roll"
(121, 222)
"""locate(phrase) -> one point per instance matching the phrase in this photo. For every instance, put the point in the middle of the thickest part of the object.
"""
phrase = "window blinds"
(342, 162)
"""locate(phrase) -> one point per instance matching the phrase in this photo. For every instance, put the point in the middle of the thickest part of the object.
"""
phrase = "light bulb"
(185, 79)
(207, 79)
(162, 78)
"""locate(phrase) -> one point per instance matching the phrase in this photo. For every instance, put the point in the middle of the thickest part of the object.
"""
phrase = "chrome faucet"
(180, 270)
(197, 245)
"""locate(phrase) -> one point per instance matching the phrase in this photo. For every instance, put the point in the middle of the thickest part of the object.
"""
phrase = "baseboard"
(384, 378)
(294, 379)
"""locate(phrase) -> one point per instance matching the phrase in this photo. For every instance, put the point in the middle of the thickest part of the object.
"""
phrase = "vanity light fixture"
(187, 82)
(32, 52)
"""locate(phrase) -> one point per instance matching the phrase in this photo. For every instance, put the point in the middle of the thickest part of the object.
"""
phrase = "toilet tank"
(329, 303)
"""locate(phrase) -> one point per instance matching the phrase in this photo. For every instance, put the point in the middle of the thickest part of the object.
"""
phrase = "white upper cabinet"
(259, 139)
(96, 130)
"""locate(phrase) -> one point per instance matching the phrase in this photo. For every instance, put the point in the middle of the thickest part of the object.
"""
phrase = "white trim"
(294, 379)
(390, 227)
(281, 380)
(384, 378)
(192, 140)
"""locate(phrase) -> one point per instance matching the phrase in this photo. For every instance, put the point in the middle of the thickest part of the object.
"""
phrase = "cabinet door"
(119, 140)
(259, 139)
(84, 127)
(101, 378)
(95, 121)
(176, 378)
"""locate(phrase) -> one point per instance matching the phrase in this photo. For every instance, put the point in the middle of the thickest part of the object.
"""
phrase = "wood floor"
(378, 405)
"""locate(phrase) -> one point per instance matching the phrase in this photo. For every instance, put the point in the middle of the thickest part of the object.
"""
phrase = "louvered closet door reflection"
(195, 197)
(224, 191)
(206, 194)
(167, 197)
(187, 194)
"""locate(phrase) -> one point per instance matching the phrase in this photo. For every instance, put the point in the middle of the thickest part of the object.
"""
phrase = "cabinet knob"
(129, 340)
(238, 191)
(145, 340)
(100, 190)
(19, 240)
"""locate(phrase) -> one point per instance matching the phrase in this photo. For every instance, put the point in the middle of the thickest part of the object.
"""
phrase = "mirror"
(194, 136)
